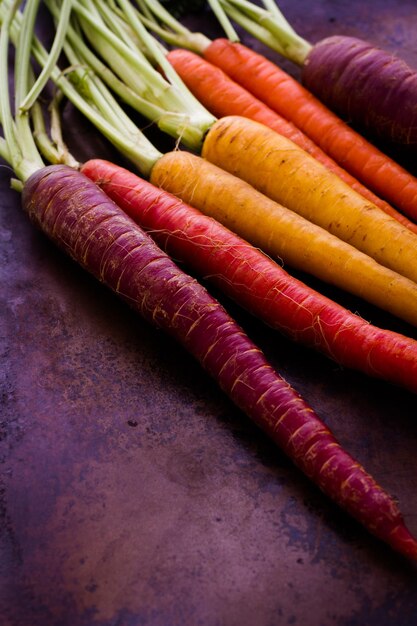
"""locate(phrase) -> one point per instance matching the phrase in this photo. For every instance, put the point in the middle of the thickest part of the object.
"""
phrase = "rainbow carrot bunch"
(275, 87)
(270, 226)
(298, 182)
(366, 85)
(76, 215)
(257, 88)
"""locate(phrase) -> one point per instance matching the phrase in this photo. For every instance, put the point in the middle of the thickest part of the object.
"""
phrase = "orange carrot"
(286, 96)
(222, 96)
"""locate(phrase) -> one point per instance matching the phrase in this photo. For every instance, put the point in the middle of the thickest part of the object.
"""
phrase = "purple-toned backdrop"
(134, 493)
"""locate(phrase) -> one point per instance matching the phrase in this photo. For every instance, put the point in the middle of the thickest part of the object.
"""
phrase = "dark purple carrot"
(368, 86)
(86, 224)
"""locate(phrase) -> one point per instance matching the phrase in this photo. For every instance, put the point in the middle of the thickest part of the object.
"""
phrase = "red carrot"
(80, 219)
(286, 96)
(256, 282)
(222, 96)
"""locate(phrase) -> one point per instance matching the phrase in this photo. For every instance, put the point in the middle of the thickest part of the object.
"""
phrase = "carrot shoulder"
(286, 96)
(79, 218)
(256, 282)
(287, 174)
(222, 97)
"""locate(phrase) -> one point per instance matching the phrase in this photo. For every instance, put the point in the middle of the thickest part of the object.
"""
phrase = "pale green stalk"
(112, 17)
(130, 97)
(118, 54)
(184, 117)
(269, 28)
(143, 7)
(55, 51)
(101, 96)
(154, 7)
(178, 35)
(224, 21)
(4, 150)
(155, 50)
(271, 6)
(24, 157)
(139, 150)
(43, 141)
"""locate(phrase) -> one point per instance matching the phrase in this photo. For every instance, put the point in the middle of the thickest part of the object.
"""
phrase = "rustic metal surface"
(134, 493)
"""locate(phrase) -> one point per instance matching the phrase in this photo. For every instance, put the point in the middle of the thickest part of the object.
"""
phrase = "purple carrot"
(366, 85)
(87, 225)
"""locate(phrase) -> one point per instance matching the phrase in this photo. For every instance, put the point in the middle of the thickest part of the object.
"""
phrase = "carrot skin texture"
(256, 282)
(81, 220)
(365, 85)
(286, 96)
(222, 97)
(282, 171)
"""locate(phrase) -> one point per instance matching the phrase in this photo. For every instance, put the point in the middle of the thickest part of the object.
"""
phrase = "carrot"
(222, 96)
(382, 88)
(279, 169)
(256, 282)
(367, 86)
(266, 81)
(76, 215)
(279, 231)
(290, 176)
(282, 233)
(81, 220)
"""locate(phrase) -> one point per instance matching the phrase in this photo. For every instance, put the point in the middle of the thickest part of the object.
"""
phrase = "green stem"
(44, 143)
(127, 95)
(265, 26)
(24, 157)
(271, 6)
(55, 51)
(105, 101)
(159, 57)
(4, 150)
(113, 19)
(178, 36)
(184, 117)
(145, 10)
(155, 7)
(138, 149)
(224, 21)
(131, 64)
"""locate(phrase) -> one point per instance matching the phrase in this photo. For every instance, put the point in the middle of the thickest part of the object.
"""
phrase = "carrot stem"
(55, 51)
(225, 23)
(269, 27)
(193, 120)
(172, 31)
(24, 157)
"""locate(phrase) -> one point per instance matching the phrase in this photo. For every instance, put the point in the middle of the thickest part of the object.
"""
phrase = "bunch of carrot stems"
(108, 243)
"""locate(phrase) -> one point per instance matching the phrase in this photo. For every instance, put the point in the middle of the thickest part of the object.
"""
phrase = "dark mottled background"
(134, 493)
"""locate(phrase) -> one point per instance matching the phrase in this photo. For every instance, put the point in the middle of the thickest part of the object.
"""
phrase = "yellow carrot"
(284, 172)
(282, 233)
